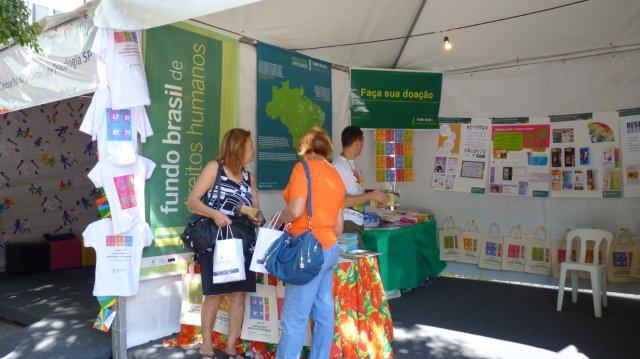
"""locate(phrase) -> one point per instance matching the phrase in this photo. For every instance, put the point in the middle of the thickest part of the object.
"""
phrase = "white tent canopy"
(577, 26)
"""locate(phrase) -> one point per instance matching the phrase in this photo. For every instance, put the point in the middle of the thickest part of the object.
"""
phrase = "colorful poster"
(461, 155)
(630, 147)
(192, 106)
(294, 94)
(586, 151)
(395, 99)
(394, 155)
(520, 157)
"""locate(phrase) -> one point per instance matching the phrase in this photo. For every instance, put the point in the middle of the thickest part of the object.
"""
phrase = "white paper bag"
(490, 248)
(513, 257)
(266, 236)
(449, 241)
(470, 237)
(228, 259)
(261, 315)
(192, 297)
(538, 253)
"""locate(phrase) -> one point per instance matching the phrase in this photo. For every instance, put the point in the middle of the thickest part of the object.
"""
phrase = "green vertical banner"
(293, 95)
(192, 76)
(395, 99)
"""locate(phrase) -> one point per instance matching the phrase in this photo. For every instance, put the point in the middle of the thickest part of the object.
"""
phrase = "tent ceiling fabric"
(301, 24)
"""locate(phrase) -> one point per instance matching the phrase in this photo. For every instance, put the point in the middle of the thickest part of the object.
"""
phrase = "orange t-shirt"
(327, 196)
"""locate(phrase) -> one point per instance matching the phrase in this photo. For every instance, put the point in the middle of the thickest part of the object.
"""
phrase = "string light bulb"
(447, 44)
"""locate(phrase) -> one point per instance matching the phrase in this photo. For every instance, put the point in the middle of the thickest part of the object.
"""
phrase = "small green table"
(409, 254)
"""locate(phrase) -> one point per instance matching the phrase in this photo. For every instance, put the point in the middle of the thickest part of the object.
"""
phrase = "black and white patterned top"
(232, 194)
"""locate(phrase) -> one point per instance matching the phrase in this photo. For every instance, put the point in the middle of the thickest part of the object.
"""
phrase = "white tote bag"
(449, 241)
(513, 258)
(266, 236)
(261, 315)
(192, 297)
(469, 239)
(538, 253)
(228, 259)
(490, 247)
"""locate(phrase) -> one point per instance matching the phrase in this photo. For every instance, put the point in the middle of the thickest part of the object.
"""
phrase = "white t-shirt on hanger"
(116, 130)
(118, 256)
(124, 187)
(121, 55)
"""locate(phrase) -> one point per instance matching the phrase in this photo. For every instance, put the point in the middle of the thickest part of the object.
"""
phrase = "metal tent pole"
(119, 330)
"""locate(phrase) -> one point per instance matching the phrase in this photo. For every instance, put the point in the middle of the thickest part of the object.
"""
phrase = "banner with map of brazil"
(294, 94)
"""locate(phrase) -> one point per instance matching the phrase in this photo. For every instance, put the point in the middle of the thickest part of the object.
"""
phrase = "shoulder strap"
(307, 172)
(216, 182)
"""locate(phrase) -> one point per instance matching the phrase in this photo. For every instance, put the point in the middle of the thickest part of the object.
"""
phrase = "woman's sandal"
(207, 356)
(233, 356)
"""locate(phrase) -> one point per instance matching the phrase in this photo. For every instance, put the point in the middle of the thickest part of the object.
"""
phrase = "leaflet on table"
(461, 158)
(520, 158)
(585, 155)
(630, 137)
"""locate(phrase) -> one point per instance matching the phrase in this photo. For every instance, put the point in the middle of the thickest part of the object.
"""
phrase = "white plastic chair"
(597, 271)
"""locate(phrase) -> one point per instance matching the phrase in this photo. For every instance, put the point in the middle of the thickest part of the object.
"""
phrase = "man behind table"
(352, 145)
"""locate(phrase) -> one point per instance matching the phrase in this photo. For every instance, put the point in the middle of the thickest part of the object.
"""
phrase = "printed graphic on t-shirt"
(259, 308)
(119, 241)
(126, 191)
(118, 125)
(125, 36)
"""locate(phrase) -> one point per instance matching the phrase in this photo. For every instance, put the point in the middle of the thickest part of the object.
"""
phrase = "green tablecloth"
(409, 255)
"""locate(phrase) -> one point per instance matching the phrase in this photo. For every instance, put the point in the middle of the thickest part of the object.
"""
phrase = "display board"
(585, 155)
(395, 99)
(394, 155)
(519, 157)
(293, 95)
(462, 154)
(192, 79)
(630, 147)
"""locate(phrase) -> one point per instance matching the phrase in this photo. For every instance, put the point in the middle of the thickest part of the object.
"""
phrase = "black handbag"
(199, 234)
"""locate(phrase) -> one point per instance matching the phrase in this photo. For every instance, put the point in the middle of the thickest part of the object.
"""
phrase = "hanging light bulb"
(447, 44)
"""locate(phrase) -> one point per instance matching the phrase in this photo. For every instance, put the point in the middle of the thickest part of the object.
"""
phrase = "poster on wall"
(520, 157)
(395, 99)
(394, 155)
(294, 94)
(192, 78)
(461, 155)
(630, 147)
(585, 155)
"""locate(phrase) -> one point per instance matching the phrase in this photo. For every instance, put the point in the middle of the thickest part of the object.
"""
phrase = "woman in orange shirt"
(316, 297)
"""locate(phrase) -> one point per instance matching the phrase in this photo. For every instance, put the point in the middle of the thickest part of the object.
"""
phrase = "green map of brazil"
(295, 110)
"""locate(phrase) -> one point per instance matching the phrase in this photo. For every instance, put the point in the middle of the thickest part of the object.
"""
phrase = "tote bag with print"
(469, 238)
(449, 241)
(620, 257)
(559, 252)
(513, 258)
(192, 297)
(266, 236)
(490, 248)
(261, 315)
(538, 253)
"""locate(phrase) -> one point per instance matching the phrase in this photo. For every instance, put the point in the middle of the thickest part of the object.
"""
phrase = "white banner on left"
(65, 68)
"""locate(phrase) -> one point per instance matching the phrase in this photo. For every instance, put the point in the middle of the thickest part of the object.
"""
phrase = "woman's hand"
(221, 219)
(259, 220)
